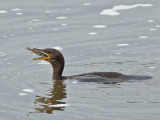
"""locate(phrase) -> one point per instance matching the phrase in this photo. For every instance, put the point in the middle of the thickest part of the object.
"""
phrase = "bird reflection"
(52, 101)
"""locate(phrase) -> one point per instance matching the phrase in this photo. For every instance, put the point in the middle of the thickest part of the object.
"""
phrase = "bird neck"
(57, 70)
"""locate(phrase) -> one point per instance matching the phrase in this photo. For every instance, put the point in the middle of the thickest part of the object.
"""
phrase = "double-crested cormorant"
(57, 61)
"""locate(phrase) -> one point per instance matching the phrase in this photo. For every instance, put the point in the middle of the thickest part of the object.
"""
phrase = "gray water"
(93, 35)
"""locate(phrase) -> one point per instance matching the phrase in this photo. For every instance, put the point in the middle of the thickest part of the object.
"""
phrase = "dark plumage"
(57, 61)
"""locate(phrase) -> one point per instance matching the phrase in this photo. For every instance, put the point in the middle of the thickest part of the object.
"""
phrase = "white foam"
(115, 9)
(64, 24)
(92, 33)
(43, 62)
(36, 20)
(58, 48)
(99, 26)
(19, 13)
(110, 12)
(153, 29)
(3, 11)
(47, 11)
(126, 7)
(22, 94)
(28, 90)
(152, 67)
(151, 21)
(122, 45)
(55, 29)
(157, 26)
(74, 82)
(59, 105)
(86, 4)
(15, 9)
(143, 37)
(61, 18)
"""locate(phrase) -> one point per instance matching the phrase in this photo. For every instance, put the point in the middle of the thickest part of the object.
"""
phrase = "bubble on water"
(15, 9)
(143, 37)
(55, 29)
(47, 11)
(99, 26)
(151, 21)
(4, 77)
(36, 20)
(122, 45)
(74, 82)
(28, 90)
(153, 29)
(86, 4)
(118, 53)
(109, 12)
(64, 24)
(4, 36)
(3, 11)
(157, 26)
(22, 94)
(114, 11)
(68, 9)
(19, 13)
(30, 28)
(61, 18)
(152, 67)
(93, 33)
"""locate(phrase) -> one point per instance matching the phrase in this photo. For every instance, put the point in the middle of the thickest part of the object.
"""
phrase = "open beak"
(41, 52)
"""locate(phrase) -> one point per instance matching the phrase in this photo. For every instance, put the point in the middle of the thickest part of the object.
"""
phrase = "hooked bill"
(38, 52)
(35, 51)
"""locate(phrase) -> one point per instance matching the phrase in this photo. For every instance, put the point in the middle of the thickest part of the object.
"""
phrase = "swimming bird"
(56, 59)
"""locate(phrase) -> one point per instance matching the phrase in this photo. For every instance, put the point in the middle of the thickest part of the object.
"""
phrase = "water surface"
(118, 35)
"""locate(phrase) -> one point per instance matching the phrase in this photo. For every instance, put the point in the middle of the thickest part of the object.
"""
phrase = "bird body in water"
(56, 59)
